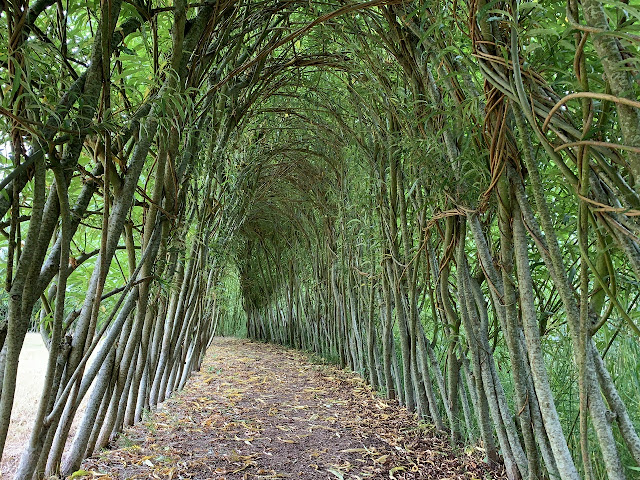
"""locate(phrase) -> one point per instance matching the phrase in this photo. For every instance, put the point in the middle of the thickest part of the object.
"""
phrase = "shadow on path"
(261, 411)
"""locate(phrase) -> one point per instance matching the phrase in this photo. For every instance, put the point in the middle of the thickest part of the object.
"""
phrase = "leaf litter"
(261, 411)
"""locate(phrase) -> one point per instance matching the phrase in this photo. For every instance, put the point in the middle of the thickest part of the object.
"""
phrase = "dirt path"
(261, 411)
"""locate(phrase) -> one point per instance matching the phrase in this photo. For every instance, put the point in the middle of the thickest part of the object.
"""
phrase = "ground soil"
(258, 411)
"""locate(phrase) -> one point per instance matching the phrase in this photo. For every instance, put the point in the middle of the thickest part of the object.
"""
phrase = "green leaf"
(543, 32)
(79, 474)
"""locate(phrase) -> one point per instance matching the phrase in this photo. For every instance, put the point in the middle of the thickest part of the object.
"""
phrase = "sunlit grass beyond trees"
(441, 196)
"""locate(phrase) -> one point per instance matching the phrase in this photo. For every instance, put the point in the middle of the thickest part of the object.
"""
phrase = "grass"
(31, 372)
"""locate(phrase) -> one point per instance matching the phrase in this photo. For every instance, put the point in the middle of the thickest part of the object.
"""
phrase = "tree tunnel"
(440, 196)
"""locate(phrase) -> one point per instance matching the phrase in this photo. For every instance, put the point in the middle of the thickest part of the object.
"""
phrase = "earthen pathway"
(258, 411)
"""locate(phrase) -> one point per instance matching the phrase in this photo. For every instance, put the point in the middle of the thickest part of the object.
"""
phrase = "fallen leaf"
(336, 472)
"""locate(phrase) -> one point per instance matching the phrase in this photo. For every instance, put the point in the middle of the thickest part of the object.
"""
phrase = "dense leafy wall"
(469, 244)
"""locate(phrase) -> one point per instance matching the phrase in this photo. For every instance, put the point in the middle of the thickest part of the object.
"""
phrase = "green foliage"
(324, 181)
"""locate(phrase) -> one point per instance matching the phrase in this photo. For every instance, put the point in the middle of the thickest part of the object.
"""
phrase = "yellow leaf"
(285, 440)
(394, 470)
